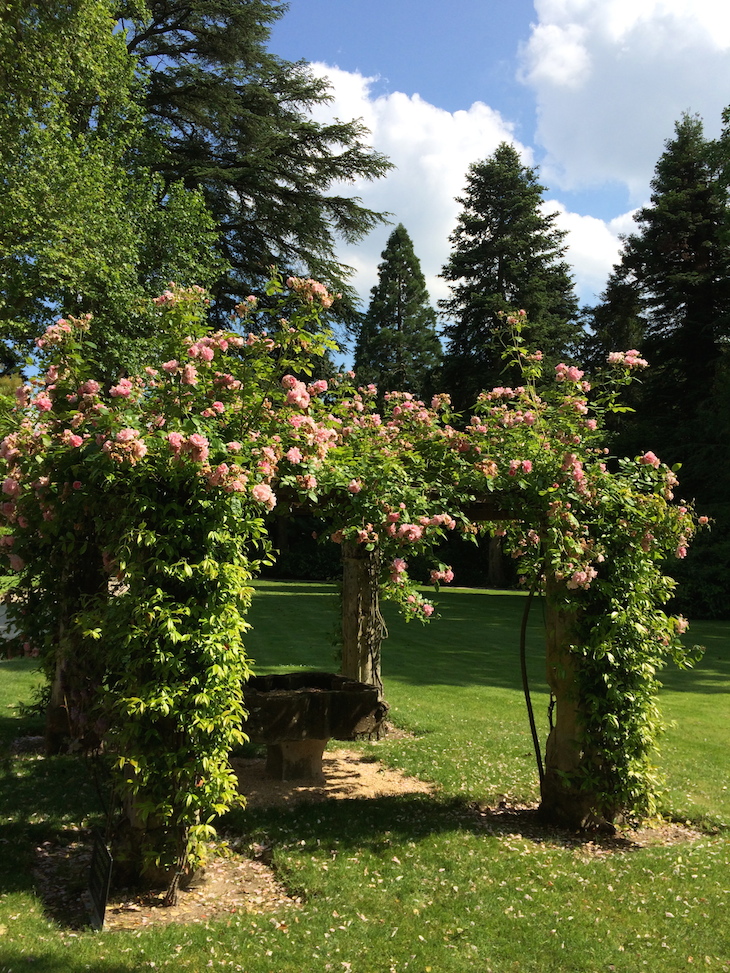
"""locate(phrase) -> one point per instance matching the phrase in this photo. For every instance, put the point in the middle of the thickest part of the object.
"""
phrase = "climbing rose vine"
(137, 517)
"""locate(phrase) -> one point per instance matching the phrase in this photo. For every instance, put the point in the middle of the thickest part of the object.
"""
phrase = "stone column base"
(295, 759)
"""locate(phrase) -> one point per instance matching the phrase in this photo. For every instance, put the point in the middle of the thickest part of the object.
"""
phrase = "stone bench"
(296, 713)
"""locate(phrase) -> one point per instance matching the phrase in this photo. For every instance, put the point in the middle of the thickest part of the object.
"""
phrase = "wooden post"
(363, 628)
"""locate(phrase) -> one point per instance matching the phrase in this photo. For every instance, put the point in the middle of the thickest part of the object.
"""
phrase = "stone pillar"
(562, 801)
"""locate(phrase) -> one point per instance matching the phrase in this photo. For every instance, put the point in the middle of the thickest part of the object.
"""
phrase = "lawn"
(409, 882)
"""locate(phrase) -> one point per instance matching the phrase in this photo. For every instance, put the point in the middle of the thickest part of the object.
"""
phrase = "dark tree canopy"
(397, 345)
(231, 119)
(507, 254)
(680, 258)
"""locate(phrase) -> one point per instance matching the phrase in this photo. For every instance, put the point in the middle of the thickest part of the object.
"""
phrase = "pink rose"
(190, 375)
(198, 447)
(121, 390)
(175, 440)
(649, 459)
(10, 487)
(568, 373)
(264, 494)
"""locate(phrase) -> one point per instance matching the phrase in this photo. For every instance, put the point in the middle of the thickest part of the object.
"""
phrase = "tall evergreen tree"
(230, 118)
(670, 297)
(617, 323)
(397, 345)
(507, 254)
(681, 261)
(674, 278)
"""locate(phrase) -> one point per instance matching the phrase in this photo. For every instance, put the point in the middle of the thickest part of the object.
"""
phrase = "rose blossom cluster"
(568, 373)
(500, 392)
(312, 434)
(573, 465)
(70, 438)
(631, 359)
(263, 493)
(122, 389)
(438, 575)
(650, 459)
(56, 334)
(125, 447)
(231, 478)
(581, 578)
(175, 294)
(195, 446)
(415, 605)
(311, 291)
(297, 394)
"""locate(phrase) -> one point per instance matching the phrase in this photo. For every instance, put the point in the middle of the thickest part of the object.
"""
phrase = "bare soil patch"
(347, 774)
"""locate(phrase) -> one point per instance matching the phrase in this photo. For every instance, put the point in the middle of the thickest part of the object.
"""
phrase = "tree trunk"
(147, 853)
(363, 628)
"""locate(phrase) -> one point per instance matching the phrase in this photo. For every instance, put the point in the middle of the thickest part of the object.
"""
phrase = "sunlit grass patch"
(418, 882)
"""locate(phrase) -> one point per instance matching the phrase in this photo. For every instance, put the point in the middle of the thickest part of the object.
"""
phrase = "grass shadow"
(377, 823)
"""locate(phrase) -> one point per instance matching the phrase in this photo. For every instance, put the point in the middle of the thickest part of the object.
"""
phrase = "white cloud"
(593, 248)
(558, 56)
(611, 77)
(431, 149)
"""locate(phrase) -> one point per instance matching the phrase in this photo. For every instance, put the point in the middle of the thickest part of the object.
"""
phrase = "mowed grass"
(414, 882)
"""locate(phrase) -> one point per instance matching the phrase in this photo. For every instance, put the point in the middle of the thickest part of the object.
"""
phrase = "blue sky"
(587, 90)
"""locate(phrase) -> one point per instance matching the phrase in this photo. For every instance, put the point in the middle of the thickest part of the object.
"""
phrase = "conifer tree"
(397, 345)
(669, 296)
(230, 118)
(507, 254)
(675, 274)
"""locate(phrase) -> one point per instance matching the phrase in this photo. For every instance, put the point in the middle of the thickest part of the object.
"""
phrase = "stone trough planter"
(296, 713)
